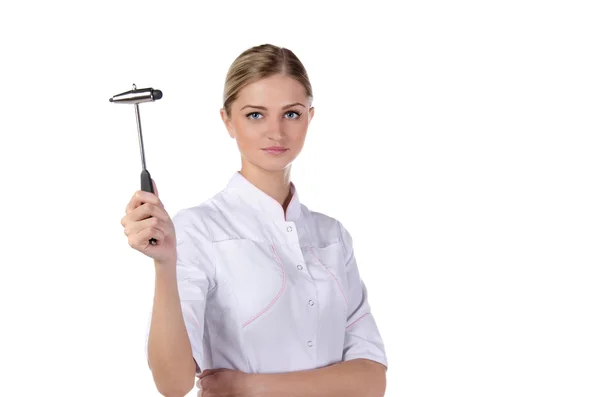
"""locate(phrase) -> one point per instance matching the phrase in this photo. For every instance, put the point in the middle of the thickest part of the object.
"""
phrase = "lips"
(275, 149)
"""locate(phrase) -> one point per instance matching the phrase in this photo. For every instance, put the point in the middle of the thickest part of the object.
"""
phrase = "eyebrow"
(264, 108)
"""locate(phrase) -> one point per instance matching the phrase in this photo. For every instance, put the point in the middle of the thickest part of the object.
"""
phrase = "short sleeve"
(362, 338)
(195, 277)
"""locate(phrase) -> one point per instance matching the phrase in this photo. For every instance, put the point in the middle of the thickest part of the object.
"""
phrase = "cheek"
(247, 135)
(298, 133)
(243, 130)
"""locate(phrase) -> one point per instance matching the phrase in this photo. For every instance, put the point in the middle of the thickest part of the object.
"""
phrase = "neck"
(276, 184)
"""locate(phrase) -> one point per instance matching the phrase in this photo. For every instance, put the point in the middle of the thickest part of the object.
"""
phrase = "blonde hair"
(259, 62)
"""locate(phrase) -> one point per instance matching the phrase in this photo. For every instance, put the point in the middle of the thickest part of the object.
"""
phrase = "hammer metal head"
(137, 96)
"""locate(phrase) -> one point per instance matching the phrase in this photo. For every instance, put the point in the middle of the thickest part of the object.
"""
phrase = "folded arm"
(353, 378)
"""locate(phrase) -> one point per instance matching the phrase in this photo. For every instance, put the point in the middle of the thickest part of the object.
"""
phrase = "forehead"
(273, 90)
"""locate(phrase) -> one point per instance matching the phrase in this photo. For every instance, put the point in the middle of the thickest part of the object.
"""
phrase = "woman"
(256, 294)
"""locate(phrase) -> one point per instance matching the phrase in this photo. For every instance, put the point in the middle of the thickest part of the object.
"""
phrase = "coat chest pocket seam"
(283, 282)
(230, 247)
(311, 249)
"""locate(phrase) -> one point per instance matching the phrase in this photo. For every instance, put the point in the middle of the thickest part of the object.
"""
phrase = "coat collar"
(261, 201)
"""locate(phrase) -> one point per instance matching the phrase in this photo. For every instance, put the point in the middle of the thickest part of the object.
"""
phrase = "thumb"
(154, 188)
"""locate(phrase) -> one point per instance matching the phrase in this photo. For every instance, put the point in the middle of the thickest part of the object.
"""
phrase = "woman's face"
(271, 112)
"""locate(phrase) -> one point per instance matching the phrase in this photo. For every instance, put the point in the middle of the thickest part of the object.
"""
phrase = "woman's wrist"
(165, 266)
(255, 386)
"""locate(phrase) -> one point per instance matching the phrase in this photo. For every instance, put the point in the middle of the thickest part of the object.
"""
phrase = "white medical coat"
(266, 293)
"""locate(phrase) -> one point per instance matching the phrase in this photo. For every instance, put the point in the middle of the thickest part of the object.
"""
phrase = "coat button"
(310, 344)
(289, 229)
(310, 302)
(299, 267)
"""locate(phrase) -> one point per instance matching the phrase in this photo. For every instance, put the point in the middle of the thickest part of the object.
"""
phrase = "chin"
(273, 167)
(272, 164)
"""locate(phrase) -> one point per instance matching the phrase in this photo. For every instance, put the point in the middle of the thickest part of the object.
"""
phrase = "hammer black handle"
(147, 187)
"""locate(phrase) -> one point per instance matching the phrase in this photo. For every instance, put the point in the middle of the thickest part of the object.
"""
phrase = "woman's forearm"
(169, 349)
(353, 378)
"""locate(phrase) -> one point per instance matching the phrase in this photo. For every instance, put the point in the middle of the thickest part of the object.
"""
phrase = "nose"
(275, 129)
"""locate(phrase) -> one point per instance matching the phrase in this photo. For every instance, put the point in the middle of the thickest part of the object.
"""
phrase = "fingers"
(207, 372)
(140, 197)
(199, 386)
(139, 225)
(140, 240)
(202, 385)
(153, 222)
(144, 211)
(204, 381)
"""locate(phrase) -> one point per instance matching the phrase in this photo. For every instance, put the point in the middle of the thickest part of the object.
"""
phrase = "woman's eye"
(257, 116)
(293, 112)
(253, 113)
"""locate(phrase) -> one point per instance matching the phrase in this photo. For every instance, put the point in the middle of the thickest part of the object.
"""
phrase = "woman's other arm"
(353, 378)
(175, 348)
(169, 349)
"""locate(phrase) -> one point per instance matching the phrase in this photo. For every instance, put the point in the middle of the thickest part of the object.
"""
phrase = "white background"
(457, 141)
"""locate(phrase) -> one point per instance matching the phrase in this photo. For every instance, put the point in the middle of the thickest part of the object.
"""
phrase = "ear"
(311, 113)
(228, 123)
